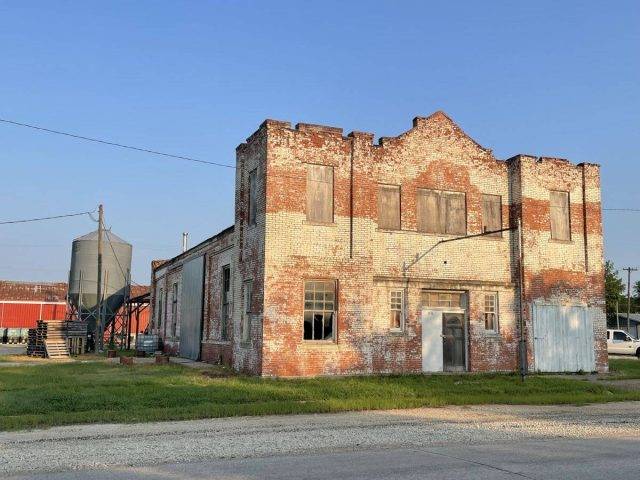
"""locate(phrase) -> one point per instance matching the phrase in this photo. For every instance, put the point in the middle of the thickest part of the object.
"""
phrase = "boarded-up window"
(252, 197)
(456, 213)
(226, 299)
(319, 193)
(560, 224)
(492, 214)
(174, 309)
(160, 308)
(247, 300)
(441, 212)
(389, 207)
(430, 216)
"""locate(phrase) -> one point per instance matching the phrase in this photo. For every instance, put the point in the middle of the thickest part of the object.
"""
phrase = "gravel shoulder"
(104, 446)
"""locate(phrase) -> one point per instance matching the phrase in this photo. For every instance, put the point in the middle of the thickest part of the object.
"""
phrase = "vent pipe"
(185, 241)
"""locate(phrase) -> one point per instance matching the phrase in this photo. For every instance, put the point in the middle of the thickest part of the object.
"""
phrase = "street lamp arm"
(406, 267)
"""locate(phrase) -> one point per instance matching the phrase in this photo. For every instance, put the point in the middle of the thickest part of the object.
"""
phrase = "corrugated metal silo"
(83, 276)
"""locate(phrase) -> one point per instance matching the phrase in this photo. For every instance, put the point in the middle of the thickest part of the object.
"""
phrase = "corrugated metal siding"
(563, 338)
(26, 314)
(143, 321)
(191, 308)
(17, 314)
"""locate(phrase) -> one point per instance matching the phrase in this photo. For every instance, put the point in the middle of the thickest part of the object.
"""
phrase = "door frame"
(464, 338)
(465, 329)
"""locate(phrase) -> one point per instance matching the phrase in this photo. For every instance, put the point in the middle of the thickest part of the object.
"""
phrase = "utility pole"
(99, 333)
(523, 340)
(629, 270)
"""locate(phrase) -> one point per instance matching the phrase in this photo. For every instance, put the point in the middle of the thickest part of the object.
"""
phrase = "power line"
(126, 278)
(48, 218)
(114, 144)
(622, 209)
(114, 254)
(138, 149)
(179, 157)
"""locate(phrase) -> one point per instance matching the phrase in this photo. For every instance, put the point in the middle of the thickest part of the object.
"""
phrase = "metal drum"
(147, 343)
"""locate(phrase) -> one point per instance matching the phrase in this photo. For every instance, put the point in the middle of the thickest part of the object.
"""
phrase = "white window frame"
(495, 312)
(441, 301)
(334, 312)
(393, 309)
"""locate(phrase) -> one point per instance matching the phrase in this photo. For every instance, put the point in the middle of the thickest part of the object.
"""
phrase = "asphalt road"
(492, 442)
(574, 459)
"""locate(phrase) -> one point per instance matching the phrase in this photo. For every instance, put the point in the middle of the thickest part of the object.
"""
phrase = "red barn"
(22, 304)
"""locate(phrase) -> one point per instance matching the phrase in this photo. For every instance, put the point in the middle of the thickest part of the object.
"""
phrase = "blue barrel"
(13, 335)
(24, 335)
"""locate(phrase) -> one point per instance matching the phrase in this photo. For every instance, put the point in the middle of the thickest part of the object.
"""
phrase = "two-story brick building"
(336, 263)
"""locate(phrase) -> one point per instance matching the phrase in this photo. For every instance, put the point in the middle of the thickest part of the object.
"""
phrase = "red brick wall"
(366, 261)
(217, 353)
(249, 258)
(283, 249)
(563, 271)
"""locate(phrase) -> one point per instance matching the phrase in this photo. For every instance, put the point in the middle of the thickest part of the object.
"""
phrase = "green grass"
(21, 359)
(621, 368)
(46, 395)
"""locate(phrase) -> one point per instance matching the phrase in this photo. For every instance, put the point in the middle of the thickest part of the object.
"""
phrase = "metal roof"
(107, 236)
(634, 317)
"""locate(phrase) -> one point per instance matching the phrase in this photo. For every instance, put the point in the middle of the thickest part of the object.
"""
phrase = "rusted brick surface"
(283, 249)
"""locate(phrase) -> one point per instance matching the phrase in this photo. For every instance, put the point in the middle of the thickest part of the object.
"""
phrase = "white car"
(620, 342)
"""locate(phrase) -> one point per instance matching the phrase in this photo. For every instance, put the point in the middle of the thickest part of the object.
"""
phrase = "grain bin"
(83, 276)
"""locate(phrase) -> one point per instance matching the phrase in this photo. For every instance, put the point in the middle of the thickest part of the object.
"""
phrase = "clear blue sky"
(196, 78)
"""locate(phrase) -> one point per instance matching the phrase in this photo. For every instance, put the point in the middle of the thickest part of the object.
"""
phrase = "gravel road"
(65, 449)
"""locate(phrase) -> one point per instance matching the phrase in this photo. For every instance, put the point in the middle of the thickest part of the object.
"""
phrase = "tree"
(635, 299)
(613, 286)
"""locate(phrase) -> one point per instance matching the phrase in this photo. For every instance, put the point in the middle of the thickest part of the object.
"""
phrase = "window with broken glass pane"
(319, 310)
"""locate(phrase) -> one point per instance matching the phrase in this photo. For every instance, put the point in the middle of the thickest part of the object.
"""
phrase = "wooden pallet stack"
(76, 335)
(34, 348)
(54, 338)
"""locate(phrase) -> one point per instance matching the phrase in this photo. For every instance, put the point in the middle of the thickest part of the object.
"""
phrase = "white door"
(563, 338)
(432, 358)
